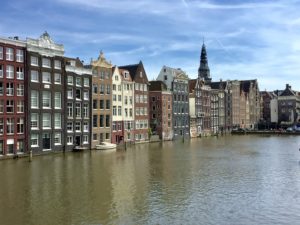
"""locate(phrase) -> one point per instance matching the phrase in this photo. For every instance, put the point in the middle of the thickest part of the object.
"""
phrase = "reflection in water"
(225, 180)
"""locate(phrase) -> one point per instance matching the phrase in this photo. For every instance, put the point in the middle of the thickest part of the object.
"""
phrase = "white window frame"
(20, 106)
(34, 61)
(85, 126)
(57, 78)
(70, 125)
(85, 139)
(57, 121)
(10, 70)
(46, 120)
(77, 126)
(46, 100)
(20, 89)
(46, 62)
(20, 73)
(34, 137)
(86, 82)
(57, 138)
(57, 64)
(9, 55)
(70, 140)
(20, 55)
(1, 52)
(34, 95)
(57, 100)
(46, 77)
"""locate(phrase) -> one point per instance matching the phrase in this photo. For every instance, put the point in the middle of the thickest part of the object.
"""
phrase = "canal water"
(226, 180)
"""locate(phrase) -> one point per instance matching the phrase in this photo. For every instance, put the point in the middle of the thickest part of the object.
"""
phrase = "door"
(77, 141)
(46, 141)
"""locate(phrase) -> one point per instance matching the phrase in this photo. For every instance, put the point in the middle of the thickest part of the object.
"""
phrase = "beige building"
(102, 98)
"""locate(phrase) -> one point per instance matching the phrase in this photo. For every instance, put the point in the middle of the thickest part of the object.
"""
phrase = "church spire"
(203, 71)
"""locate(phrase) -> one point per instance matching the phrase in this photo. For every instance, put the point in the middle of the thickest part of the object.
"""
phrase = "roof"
(288, 91)
(157, 85)
(218, 85)
(245, 85)
(132, 69)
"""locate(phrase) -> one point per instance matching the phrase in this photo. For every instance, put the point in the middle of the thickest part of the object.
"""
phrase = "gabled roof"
(133, 69)
(288, 91)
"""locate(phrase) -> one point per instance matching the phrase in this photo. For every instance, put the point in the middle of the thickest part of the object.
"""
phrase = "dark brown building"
(160, 110)
(45, 95)
(12, 95)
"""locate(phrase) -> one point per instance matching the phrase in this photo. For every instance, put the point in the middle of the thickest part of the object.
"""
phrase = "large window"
(9, 89)
(34, 99)
(46, 121)
(78, 94)
(102, 87)
(20, 106)
(107, 104)
(20, 55)
(77, 126)
(95, 88)
(34, 121)
(34, 61)
(85, 139)
(101, 120)
(57, 64)
(9, 72)
(70, 93)
(9, 125)
(46, 77)
(78, 109)
(107, 122)
(95, 120)
(86, 82)
(20, 73)
(9, 106)
(57, 100)
(1, 71)
(85, 95)
(1, 88)
(57, 138)
(46, 99)
(70, 140)
(78, 81)
(70, 80)
(1, 106)
(57, 78)
(1, 126)
(85, 110)
(101, 104)
(20, 126)
(9, 54)
(20, 89)
(46, 62)
(70, 109)
(34, 140)
(69, 127)
(34, 76)
(95, 105)
(86, 126)
(57, 120)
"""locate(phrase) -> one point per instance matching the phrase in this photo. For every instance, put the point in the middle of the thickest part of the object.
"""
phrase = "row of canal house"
(49, 102)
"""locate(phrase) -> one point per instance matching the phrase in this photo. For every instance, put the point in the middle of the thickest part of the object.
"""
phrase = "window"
(120, 110)
(1, 106)
(46, 99)
(57, 100)
(46, 77)
(107, 104)
(69, 127)
(70, 93)
(85, 110)
(95, 88)
(165, 77)
(70, 140)
(46, 62)
(101, 121)
(70, 109)
(20, 55)
(107, 120)
(102, 87)
(95, 137)
(1, 71)
(78, 94)
(78, 126)
(86, 95)
(1, 126)
(9, 106)
(9, 72)
(78, 109)
(107, 135)
(46, 121)
(9, 125)
(114, 110)
(108, 89)
(85, 126)
(119, 98)
(9, 89)
(86, 82)
(34, 61)
(9, 54)
(70, 80)
(85, 139)
(20, 89)
(130, 112)
(1, 88)
(57, 64)
(114, 98)
(57, 120)
(34, 121)
(34, 99)
(1, 52)
(78, 81)
(114, 87)
(95, 105)
(57, 78)
(95, 121)
(101, 104)
(57, 138)
(20, 73)
(20, 106)
(20, 126)
(34, 76)
(119, 88)
(34, 140)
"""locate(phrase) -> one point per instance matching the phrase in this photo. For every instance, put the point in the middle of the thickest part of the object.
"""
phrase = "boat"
(105, 146)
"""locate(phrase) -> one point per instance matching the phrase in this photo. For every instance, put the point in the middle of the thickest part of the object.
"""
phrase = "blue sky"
(244, 39)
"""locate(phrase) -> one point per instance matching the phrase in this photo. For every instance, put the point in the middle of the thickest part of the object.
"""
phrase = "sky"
(245, 39)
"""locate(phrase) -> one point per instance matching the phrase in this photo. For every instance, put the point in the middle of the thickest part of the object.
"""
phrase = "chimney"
(287, 86)
(16, 38)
